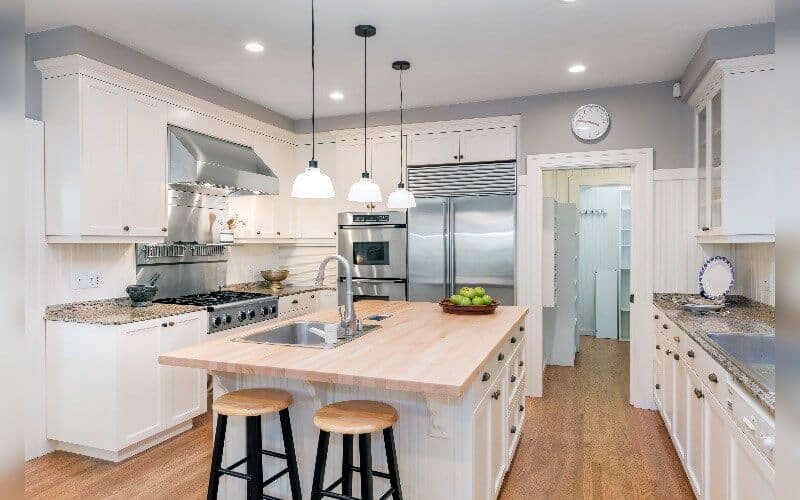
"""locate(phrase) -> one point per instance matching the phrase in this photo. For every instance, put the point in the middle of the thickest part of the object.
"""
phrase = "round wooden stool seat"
(355, 417)
(252, 402)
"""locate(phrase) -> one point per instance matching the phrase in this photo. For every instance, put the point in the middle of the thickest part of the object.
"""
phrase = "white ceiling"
(460, 50)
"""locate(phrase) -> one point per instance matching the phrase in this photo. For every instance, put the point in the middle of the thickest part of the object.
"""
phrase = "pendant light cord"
(313, 87)
(365, 104)
(401, 126)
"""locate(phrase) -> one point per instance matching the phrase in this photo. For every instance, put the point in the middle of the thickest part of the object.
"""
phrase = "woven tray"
(449, 308)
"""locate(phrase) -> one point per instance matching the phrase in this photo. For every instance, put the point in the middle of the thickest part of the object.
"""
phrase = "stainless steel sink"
(299, 334)
(753, 352)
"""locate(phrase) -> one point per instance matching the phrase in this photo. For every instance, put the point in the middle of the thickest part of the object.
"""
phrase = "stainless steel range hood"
(200, 160)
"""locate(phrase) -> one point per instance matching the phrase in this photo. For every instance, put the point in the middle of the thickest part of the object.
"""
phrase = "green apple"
(479, 291)
(455, 299)
(467, 292)
(464, 301)
(487, 300)
(477, 301)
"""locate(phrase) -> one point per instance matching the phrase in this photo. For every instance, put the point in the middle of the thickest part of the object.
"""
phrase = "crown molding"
(713, 79)
(76, 64)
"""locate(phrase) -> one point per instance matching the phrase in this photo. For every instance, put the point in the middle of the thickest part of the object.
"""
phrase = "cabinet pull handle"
(171, 323)
(258, 233)
(704, 228)
(455, 157)
(676, 338)
(665, 326)
(669, 351)
(656, 316)
(713, 377)
(521, 408)
(278, 233)
(126, 228)
(485, 377)
(513, 430)
(513, 340)
(690, 353)
(521, 363)
(496, 394)
(658, 386)
(295, 301)
(676, 356)
(698, 393)
(501, 357)
(163, 325)
(522, 328)
(658, 347)
(513, 378)
(163, 230)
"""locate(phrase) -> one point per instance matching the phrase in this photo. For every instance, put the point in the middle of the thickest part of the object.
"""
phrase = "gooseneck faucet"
(348, 320)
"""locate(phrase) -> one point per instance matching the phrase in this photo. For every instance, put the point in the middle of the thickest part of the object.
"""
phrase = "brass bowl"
(274, 277)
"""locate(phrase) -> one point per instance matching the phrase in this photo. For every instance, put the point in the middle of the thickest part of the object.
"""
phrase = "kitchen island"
(457, 383)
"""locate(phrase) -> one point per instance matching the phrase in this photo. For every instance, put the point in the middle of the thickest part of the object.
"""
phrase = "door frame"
(642, 338)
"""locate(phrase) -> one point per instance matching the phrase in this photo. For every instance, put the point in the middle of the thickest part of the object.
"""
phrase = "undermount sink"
(299, 334)
(754, 352)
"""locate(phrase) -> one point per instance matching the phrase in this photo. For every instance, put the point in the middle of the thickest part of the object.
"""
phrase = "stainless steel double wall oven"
(375, 243)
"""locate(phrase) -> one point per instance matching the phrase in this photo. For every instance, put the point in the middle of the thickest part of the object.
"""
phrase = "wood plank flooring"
(581, 440)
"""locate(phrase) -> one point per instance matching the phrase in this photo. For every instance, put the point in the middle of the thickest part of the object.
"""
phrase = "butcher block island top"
(418, 348)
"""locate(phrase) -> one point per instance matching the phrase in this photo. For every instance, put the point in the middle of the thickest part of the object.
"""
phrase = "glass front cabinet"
(734, 151)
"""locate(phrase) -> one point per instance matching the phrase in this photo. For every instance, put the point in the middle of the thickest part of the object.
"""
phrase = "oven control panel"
(234, 315)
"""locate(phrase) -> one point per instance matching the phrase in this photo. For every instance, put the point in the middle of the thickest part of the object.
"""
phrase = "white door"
(385, 162)
(716, 443)
(497, 398)
(184, 388)
(751, 475)
(679, 383)
(433, 149)
(104, 158)
(481, 442)
(146, 166)
(488, 145)
(139, 395)
(694, 430)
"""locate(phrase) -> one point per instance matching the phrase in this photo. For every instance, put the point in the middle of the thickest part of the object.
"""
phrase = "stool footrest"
(274, 454)
(328, 493)
(275, 477)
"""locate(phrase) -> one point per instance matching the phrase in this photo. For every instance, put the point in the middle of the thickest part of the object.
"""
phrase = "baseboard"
(124, 453)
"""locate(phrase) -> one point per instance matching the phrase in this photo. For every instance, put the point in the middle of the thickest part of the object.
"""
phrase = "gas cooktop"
(219, 298)
(230, 309)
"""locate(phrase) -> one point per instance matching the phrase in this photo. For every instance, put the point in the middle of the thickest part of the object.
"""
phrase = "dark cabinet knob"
(522, 328)
(513, 430)
(658, 347)
(163, 230)
(665, 326)
(676, 356)
(455, 157)
(171, 323)
(698, 393)
(485, 377)
(690, 353)
(513, 340)
(521, 363)
(704, 228)
(656, 316)
(126, 228)
(658, 386)
(713, 377)
(496, 394)
(669, 351)
(258, 233)
(278, 233)
(501, 357)
(513, 378)
(295, 301)
(521, 408)
(163, 325)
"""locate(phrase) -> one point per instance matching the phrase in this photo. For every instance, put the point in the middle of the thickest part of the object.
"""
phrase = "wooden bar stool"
(253, 404)
(349, 418)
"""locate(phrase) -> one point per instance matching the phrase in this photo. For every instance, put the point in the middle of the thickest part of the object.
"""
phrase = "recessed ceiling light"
(569, 1)
(254, 47)
(336, 95)
(577, 68)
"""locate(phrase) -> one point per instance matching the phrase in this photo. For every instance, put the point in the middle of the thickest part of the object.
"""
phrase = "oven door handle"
(370, 226)
(368, 280)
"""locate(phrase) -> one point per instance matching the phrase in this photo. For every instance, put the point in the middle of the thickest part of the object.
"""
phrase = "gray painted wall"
(641, 116)
(727, 43)
(77, 40)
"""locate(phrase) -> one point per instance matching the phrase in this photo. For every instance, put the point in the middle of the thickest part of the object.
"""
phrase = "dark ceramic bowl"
(141, 295)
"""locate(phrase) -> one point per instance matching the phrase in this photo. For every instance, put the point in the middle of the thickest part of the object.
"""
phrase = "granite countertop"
(740, 315)
(116, 311)
(261, 287)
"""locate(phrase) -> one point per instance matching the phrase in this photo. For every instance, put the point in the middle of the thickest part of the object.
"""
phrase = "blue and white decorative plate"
(716, 278)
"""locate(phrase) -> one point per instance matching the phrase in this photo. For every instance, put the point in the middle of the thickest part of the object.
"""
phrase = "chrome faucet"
(348, 321)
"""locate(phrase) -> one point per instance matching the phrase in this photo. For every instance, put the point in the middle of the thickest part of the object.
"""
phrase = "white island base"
(447, 447)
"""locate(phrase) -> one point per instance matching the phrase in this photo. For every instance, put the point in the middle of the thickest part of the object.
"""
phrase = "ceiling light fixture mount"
(254, 47)
(365, 190)
(577, 68)
(336, 95)
(401, 197)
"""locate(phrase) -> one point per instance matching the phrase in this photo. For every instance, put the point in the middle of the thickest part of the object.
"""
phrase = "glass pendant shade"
(312, 183)
(364, 190)
(401, 198)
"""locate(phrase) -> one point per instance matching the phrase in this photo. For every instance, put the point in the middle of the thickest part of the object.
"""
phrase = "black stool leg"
(391, 460)
(291, 458)
(216, 457)
(365, 464)
(347, 465)
(319, 465)
(254, 464)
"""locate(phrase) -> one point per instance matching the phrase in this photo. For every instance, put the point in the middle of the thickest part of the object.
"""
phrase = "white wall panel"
(245, 262)
(303, 263)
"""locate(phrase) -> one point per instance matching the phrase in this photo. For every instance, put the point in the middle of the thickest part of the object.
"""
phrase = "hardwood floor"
(581, 440)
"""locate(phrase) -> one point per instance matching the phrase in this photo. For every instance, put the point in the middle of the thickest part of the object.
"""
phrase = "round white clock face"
(590, 122)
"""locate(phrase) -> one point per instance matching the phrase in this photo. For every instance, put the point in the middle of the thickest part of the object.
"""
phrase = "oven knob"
(242, 316)
(252, 314)
(228, 319)
(217, 321)
(264, 311)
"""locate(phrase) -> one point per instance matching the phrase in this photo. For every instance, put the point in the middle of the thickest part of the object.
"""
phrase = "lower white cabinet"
(715, 448)
(107, 395)
(751, 475)
(695, 407)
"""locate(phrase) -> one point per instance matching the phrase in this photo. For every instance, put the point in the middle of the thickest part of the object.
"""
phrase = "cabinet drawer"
(500, 358)
(691, 353)
(713, 376)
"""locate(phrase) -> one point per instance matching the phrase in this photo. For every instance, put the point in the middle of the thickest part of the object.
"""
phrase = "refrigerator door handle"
(445, 244)
(451, 266)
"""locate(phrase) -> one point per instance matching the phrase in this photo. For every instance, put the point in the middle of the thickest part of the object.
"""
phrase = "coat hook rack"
(594, 211)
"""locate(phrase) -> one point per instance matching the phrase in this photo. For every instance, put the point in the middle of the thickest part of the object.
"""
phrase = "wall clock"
(590, 122)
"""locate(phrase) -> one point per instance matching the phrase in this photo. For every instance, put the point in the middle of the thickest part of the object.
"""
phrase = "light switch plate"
(86, 280)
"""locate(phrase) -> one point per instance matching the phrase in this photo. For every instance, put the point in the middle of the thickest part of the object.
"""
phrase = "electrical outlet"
(84, 281)
(95, 279)
(767, 286)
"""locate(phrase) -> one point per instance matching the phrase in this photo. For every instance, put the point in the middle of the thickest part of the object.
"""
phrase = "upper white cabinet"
(468, 146)
(106, 162)
(734, 151)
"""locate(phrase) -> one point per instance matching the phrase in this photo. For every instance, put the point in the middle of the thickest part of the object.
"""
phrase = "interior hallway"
(581, 440)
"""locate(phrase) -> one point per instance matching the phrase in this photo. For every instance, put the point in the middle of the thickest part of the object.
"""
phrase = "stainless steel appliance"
(462, 231)
(375, 245)
(230, 309)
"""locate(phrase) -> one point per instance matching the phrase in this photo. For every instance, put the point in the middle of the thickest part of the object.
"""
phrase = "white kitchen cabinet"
(481, 444)
(716, 446)
(106, 162)
(497, 417)
(318, 218)
(679, 382)
(751, 475)
(298, 304)
(668, 385)
(695, 444)
(734, 151)
(349, 167)
(385, 165)
(468, 146)
(107, 395)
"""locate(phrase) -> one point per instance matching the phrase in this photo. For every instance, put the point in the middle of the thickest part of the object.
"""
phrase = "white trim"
(77, 64)
(642, 337)
(712, 81)
(705, 238)
(674, 174)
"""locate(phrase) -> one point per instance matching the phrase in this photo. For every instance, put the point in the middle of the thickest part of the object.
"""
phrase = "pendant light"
(365, 190)
(312, 183)
(401, 197)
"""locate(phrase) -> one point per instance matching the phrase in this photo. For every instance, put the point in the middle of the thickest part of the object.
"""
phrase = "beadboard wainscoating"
(678, 256)
(116, 264)
(303, 263)
(245, 262)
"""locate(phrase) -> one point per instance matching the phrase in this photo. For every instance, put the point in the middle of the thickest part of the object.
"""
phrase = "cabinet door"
(433, 149)
(481, 446)
(751, 475)
(349, 166)
(488, 145)
(318, 218)
(103, 189)
(146, 210)
(716, 438)
(286, 168)
(498, 430)
(715, 159)
(139, 387)
(679, 383)
(701, 161)
(658, 382)
(668, 386)
(385, 162)
(242, 208)
(184, 388)
(694, 431)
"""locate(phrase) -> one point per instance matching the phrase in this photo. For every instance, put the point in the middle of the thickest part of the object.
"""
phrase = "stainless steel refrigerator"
(466, 235)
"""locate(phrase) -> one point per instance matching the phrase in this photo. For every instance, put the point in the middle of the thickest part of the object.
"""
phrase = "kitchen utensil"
(274, 277)
(450, 308)
(154, 278)
(716, 277)
(141, 295)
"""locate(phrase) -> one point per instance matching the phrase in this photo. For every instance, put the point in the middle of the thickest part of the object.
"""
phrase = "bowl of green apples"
(469, 300)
